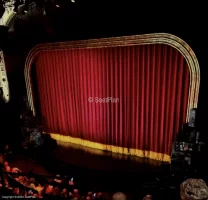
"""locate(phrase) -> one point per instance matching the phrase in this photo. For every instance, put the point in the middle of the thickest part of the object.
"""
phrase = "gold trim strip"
(114, 149)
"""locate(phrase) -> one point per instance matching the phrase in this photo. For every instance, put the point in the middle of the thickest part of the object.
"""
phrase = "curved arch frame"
(155, 38)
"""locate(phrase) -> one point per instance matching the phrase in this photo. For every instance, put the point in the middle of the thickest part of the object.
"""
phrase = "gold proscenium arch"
(155, 38)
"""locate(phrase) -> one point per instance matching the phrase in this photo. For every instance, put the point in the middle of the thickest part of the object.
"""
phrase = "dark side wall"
(96, 21)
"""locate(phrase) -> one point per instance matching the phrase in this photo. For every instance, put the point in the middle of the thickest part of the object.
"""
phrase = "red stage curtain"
(150, 81)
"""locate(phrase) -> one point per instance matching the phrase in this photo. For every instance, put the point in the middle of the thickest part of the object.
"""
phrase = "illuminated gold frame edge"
(154, 38)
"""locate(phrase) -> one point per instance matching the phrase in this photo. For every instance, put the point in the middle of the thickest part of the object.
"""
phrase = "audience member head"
(100, 195)
(32, 180)
(15, 170)
(76, 191)
(89, 193)
(30, 192)
(194, 189)
(8, 169)
(148, 197)
(119, 196)
(58, 176)
(16, 191)
(36, 195)
(1, 159)
(71, 182)
(64, 191)
(36, 184)
(88, 198)
(6, 147)
(21, 178)
(49, 189)
(6, 182)
(56, 191)
(6, 164)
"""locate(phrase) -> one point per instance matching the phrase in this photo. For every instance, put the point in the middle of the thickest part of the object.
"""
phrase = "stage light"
(57, 6)
(73, 1)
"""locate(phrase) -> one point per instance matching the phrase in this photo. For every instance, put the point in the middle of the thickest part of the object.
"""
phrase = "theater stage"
(95, 170)
(100, 170)
(103, 160)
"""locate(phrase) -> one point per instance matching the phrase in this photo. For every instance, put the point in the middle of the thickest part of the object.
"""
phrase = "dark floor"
(107, 170)
(96, 171)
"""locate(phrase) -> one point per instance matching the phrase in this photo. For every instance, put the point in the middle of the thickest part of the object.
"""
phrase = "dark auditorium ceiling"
(90, 19)
(95, 19)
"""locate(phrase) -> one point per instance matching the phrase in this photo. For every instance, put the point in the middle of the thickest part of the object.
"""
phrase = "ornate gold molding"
(156, 38)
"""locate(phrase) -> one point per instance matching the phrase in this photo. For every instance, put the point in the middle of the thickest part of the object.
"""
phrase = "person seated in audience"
(38, 188)
(30, 193)
(70, 195)
(89, 194)
(31, 182)
(27, 182)
(88, 197)
(8, 169)
(100, 196)
(44, 194)
(76, 193)
(36, 195)
(71, 182)
(64, 193)
(25, 193)
(68, 184)
(57, 179)
(21, 179)
(48, 189)
(5, 165)
(119, 196)
(92, 196)
(194, 189)
(6, 183)
(15, 170)
(75, 198)
(16, 191)
(56, 191)
(7, 152)
(6, 149)
(148, 197)
(1, 161)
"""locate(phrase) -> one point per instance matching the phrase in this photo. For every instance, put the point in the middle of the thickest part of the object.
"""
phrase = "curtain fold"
(150, 83)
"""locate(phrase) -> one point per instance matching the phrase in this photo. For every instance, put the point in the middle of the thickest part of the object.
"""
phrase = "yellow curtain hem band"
(111, 148)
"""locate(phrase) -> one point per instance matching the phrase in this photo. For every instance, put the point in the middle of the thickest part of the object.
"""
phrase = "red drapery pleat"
(150, 81)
